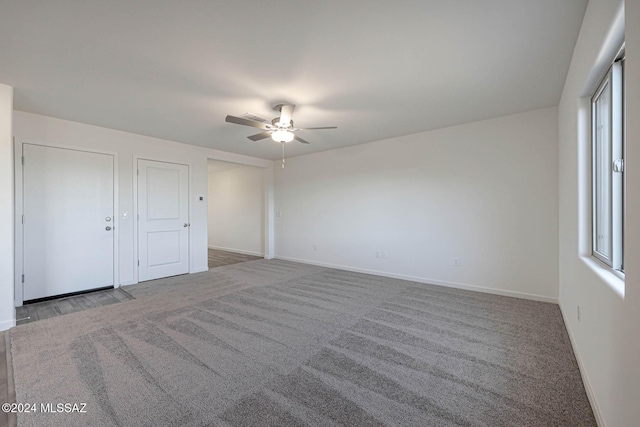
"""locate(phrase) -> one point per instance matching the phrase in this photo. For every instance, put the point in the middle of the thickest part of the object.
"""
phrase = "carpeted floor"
(278, 343)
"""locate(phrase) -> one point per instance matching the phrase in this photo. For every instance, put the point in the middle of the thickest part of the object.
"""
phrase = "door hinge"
(23, 219)
(618, 165)
(22, 160)
(23, 278)
(138, 217)
(138, 263)
(138, 171)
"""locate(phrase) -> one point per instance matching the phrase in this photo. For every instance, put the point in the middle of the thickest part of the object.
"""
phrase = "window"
(608, 109)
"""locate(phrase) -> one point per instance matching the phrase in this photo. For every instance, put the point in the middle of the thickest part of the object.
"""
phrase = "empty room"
(296, 213)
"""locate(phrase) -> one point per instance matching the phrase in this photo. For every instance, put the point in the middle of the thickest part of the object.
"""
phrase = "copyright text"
(66, 408)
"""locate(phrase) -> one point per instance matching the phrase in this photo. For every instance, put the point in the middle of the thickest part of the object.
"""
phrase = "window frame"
(613, 82)
(604, 86)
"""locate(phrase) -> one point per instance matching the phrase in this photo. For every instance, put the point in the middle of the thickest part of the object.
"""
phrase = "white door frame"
(136, 245)
(19, 228)
(269, 213)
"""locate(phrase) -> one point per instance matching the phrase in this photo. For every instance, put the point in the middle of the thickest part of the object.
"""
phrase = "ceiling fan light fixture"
(282, 136)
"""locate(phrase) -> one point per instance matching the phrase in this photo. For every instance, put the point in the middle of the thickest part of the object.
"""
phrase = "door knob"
(108, 219)
(107, 228)
(185, 225)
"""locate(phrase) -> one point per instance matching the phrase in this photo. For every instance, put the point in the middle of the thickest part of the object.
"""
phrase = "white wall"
(7, 312)
(606, 339)
(36, 129)
(236, 209)
(485, 192)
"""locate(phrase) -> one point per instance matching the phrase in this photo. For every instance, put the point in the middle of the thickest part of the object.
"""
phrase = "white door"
(163, 219)
(68, 221)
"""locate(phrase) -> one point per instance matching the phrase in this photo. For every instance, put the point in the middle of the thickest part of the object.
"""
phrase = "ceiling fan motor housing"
(276, 123)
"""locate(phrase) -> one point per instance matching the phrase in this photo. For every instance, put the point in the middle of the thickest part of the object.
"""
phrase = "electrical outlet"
(278, 214)
(383, 254)
(315, 247)
(579, 316)
(456, 262)
(377, 254)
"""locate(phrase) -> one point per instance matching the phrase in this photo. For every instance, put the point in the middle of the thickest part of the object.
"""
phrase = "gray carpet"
(274, 343)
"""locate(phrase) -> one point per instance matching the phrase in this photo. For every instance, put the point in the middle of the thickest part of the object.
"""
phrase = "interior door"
(68, 221)
(163, 219)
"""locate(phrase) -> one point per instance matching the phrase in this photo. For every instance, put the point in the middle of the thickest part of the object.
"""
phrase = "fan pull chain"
(282, 155)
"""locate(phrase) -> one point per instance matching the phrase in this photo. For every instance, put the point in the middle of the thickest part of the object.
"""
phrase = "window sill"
(613, 279)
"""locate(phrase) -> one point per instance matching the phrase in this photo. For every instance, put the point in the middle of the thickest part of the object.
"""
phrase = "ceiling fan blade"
(245, 122)
(259, 136)
(297, 138)
(286, 113)
(325, 127)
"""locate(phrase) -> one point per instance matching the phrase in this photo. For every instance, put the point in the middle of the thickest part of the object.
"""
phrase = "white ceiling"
(376, 69)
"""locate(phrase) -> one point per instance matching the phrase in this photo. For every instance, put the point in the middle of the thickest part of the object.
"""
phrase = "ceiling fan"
(280, 129)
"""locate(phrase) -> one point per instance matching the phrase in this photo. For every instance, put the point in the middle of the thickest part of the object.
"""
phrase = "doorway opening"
(236, 213)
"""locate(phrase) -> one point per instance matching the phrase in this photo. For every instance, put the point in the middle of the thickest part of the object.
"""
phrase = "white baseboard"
(7, 324)
(585, 379)
(127, 283)
(199, 270)
(238, 251)
(475, 288)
